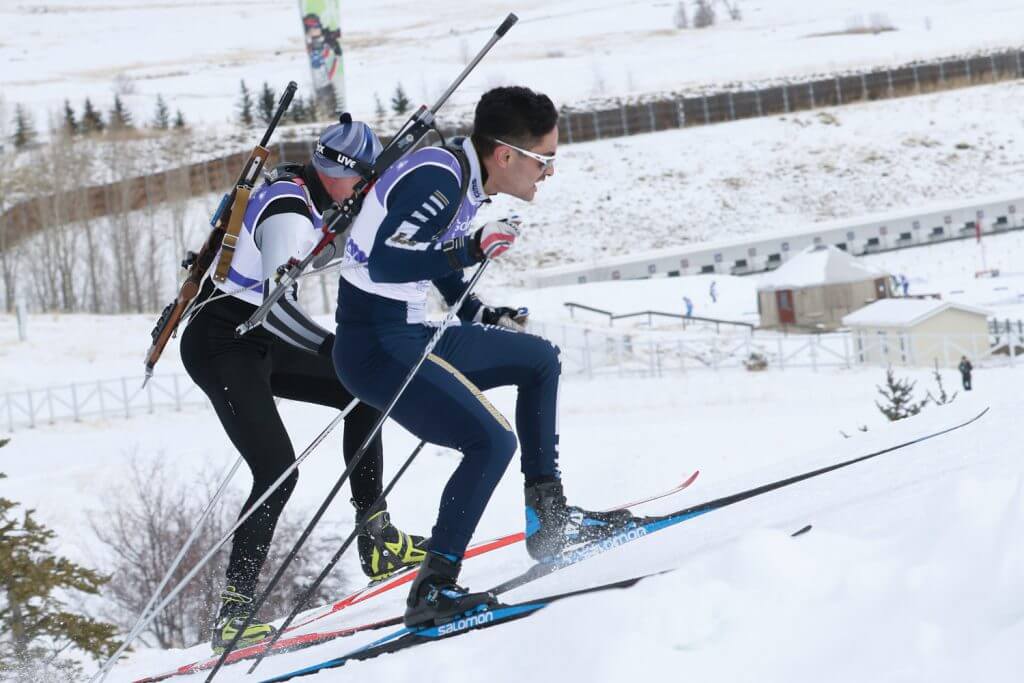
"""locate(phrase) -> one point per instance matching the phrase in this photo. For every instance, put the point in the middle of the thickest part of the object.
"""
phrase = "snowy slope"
(893, 540)
(910, 574)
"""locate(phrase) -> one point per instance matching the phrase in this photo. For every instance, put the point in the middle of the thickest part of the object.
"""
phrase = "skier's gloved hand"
(496, 237)
(503, 316)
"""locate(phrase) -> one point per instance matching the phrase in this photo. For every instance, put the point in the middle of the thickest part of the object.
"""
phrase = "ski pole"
(308, 593)
(137, 628)
(348, 471)
(105, 670)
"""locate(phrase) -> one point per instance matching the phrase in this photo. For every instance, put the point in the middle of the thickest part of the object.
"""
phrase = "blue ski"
(474, 620)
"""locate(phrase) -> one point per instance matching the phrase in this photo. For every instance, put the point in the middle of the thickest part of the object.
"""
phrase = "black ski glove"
(503, 316)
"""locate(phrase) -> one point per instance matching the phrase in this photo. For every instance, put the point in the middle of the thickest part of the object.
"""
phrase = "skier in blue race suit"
(415, 229)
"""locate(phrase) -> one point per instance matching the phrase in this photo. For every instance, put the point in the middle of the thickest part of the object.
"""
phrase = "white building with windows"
(919, 332)
(868, 234)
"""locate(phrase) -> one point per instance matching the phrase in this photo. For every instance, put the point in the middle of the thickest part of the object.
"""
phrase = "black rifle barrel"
(282, 107)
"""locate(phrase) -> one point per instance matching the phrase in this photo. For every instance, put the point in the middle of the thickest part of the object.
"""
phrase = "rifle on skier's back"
(226, 224)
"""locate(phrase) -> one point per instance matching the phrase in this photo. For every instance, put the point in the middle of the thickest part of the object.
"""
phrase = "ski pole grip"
(509, 22)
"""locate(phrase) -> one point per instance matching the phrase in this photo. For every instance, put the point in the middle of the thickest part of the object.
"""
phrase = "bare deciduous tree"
(148, 520)
(732, 8)
(11, 185)
(680, 19)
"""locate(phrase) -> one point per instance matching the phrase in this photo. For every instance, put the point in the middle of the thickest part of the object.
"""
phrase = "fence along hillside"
(217, 175)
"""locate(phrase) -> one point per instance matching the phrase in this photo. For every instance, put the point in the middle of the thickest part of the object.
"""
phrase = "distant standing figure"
(689, 306)
(905, 284)
(714, 291)
(965, 368)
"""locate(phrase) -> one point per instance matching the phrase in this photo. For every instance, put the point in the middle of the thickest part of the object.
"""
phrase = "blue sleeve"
(420, 207)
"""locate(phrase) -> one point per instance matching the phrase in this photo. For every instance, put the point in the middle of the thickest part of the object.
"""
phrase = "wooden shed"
(817, 287)
(919, 332)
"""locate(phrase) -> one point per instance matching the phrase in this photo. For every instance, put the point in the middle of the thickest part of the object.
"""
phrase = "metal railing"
(593, 353)
(685, 320)
(111, 398)
(585, 353)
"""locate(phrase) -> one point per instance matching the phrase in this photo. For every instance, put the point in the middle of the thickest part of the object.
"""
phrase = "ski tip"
(802, 531)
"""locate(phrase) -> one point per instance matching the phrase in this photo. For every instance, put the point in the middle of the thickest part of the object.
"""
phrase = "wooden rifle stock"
(227, 218)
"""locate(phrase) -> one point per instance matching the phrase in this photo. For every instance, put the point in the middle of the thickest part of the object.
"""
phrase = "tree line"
(89, 121)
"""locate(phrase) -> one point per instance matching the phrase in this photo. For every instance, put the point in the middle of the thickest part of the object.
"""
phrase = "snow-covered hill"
(195, 54)
(911, 572)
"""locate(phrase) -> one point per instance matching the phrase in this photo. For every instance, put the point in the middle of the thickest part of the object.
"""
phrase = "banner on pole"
(321, 26)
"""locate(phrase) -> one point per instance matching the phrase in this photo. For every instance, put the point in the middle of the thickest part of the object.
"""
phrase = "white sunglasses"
(547, 161)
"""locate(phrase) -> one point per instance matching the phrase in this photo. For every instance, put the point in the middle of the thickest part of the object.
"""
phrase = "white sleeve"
(279, 238)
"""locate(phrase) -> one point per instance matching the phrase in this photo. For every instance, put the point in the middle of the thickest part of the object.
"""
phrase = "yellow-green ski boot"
(384, 549)
(234, 610)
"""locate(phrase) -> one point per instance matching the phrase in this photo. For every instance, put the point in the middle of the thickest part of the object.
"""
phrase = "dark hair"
(513, 113)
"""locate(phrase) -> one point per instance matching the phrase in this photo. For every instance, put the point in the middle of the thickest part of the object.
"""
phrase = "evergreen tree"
(179, 121)
(267, 103)
(704, 14)
(244, 107)
(92, 122)
(36, 624)
(298, 112)
(378, 108)
(120, 118)
(71, 125)
(162, 116)
(24, 128)
(399, 101)
(899, 398)
(314, 109)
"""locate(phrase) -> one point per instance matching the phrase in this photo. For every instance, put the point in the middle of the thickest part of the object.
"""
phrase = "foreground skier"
(289, 357)
(414, 229)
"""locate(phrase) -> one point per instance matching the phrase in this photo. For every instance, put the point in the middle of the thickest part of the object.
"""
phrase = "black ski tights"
(241, 377)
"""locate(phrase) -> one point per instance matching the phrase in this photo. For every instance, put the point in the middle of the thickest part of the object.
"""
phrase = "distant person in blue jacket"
(689, 306)
(713, 291)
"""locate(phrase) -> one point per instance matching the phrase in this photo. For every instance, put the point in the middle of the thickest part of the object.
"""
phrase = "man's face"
(340, 189)
(520, 172)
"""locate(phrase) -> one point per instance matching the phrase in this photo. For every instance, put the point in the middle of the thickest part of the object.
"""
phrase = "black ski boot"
(435, 597)
(234, 610)
(552, 526)
(384, 549)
